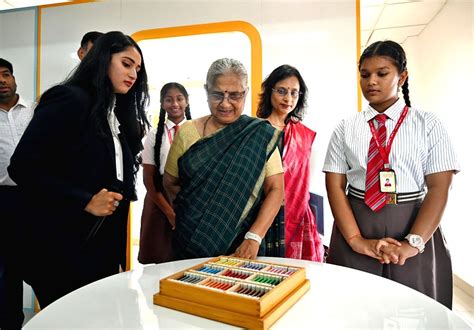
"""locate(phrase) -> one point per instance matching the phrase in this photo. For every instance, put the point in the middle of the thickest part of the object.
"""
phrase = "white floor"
(463, 305)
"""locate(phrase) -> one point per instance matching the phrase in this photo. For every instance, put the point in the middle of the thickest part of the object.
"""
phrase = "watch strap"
(420, 246)
(254, 237)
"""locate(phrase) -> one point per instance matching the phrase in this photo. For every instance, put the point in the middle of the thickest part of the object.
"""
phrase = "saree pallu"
(301, 236)
(221, 188)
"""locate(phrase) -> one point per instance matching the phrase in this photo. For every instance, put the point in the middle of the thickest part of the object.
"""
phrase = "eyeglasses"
(283, 92)
(232, 97)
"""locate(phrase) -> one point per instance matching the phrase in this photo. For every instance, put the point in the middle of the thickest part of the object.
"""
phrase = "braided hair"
(393, 51)
(161, 126)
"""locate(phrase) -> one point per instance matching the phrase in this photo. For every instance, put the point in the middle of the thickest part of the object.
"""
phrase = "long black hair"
(161, 125)
(395, 53)
(265, 104)
(92, 76)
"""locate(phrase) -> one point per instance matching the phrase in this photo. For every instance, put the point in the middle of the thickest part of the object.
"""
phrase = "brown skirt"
(429, 272)
(155, 235)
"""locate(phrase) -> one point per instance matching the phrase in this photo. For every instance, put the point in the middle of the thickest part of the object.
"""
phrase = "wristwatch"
(416, 241)
(253, 236)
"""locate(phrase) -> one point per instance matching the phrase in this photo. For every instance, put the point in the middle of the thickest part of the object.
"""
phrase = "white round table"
(339, 298)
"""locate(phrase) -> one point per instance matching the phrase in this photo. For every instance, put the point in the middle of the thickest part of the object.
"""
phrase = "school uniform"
(155, 230)
(420, 147)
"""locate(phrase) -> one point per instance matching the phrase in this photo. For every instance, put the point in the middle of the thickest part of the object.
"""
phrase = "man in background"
(15, 114)
(87, 42)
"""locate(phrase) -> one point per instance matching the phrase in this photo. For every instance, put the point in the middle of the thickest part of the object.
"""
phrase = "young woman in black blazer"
(76, 165)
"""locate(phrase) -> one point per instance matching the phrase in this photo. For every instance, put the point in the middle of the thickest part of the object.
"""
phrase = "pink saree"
(301, 236)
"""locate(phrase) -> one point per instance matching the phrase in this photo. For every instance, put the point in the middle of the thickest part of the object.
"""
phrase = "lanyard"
(168, 131)
(384, 152)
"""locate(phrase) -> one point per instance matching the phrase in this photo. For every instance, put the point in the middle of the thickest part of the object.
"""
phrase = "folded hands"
(386, 250)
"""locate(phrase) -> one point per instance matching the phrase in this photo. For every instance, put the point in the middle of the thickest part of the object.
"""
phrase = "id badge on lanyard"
(388, 181)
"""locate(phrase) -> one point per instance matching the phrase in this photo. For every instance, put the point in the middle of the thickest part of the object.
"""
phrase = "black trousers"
(70, 258)
(11, 283)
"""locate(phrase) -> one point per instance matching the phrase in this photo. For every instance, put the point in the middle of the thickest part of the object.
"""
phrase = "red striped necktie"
(176, 127)
(375, 199)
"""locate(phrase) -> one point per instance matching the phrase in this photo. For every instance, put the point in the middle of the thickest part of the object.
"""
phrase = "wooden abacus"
(248, 293)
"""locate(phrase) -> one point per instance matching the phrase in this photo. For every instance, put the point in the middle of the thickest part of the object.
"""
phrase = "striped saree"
(221, 188)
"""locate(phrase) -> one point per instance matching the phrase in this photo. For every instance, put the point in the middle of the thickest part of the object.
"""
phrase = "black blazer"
(59, 164)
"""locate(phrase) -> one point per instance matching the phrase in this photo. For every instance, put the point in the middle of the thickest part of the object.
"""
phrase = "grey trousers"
(429, 272)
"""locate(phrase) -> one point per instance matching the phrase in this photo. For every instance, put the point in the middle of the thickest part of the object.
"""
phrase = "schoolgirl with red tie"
(392, 230)
(158, 217)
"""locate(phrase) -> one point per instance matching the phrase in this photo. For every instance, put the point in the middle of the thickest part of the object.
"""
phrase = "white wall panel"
(18, 46)
(441, 67)
(62, 29)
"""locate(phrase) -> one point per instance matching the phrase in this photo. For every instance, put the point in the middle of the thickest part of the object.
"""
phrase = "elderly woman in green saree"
(224, 173)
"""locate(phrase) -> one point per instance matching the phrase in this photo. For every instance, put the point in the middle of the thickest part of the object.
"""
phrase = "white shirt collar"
(393, 112)
(169, 124)
(21, 102)
(113, 121)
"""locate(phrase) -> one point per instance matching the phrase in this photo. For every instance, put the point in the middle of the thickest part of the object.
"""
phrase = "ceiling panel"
(369, 16)
(364, 37)
(404, 1)
(405, 14)
(4, 6)
(396, 19)
(368, 3)
(396, 34)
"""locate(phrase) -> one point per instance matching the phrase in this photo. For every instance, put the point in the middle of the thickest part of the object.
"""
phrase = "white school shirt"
(421, 147)
(12, 126)
(148, 154)
(114, 128)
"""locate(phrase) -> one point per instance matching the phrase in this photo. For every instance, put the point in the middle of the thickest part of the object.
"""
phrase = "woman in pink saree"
(282, 103)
